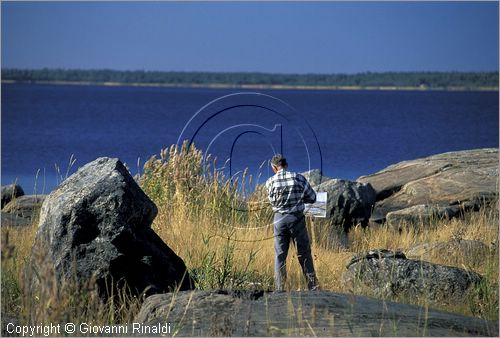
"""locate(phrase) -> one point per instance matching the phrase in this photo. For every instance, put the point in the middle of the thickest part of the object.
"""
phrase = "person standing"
(287, 192)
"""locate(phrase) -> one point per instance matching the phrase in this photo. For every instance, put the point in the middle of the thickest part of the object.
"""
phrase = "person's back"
(287, 192)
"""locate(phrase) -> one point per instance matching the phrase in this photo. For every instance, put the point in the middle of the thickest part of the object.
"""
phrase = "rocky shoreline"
(96, 227)
(442, 186)
(419, 191)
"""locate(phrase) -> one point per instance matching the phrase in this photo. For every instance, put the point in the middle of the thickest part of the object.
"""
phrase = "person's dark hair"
(279, 161)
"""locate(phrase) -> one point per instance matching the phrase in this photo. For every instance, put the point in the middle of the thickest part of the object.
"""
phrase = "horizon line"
(249, 72)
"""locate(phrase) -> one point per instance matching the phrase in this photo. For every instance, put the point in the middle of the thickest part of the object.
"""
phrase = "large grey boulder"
(349, 203)
(322, 313)
(11, 191)
(96, 227)
(465, 179)
(383, 274)
(27, 206)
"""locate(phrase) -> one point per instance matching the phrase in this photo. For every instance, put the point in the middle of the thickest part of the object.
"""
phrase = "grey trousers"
(292, 227)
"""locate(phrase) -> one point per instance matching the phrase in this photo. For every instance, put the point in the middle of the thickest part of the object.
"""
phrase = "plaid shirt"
(288, 191)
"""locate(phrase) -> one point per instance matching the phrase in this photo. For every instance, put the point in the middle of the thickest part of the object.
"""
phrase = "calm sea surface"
(359, 132)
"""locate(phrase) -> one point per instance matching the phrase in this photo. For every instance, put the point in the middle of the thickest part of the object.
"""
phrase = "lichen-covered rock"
(96, 226)
(466, 179)
(11, 191)
(319, 313)
(386, 276)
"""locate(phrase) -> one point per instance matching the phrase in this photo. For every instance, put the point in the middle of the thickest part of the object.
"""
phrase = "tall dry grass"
(227, 241)
(225, 237)
(28, 303)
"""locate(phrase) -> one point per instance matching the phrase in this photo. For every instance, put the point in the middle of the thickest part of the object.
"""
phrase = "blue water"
(358, 132)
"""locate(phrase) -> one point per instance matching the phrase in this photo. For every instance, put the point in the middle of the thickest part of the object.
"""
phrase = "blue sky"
(278, 37)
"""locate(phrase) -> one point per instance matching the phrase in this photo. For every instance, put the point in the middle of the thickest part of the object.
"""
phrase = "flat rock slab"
(468, 179)
(219, 313)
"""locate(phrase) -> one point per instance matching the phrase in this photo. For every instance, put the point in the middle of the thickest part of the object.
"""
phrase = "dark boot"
(312, 282)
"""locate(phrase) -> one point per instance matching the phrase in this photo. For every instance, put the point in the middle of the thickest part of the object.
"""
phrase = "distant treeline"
(387, 79)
